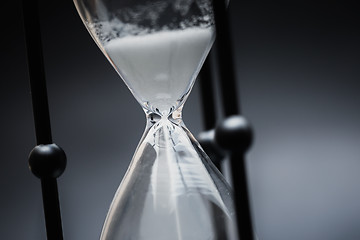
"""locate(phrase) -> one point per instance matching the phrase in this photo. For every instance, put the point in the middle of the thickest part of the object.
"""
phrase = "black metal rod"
(231, 107)
(225, 59)
(41, 118)
(207, 95)
(242, 204)
(51, 209)
(36, 72)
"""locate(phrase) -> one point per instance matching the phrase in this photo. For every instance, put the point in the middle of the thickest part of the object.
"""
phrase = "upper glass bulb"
(156, 46)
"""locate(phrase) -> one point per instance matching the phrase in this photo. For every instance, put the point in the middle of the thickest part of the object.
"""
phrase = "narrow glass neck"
(153, 118)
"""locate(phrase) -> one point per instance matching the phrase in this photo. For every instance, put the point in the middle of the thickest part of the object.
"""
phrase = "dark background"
(298, 72)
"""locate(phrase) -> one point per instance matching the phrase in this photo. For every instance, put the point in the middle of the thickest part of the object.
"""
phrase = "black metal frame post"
(47, 161)
(207, 94)
(225, 59)
(234, 134)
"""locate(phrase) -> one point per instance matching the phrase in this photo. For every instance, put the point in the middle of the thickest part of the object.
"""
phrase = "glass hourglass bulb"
(171, 190)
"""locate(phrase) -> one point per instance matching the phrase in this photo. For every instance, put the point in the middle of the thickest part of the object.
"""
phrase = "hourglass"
(171, 190)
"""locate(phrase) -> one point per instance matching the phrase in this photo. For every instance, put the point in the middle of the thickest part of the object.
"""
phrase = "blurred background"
(298, 78)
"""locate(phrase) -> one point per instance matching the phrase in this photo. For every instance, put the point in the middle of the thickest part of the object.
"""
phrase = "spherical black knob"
(234, 134)
(47, 161)
(207, 142)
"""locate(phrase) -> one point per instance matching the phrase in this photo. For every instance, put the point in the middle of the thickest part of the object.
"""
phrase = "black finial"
(234, 134)
(47, 161)
(207, 142)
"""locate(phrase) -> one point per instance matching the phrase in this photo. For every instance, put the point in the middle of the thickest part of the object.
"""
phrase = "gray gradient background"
(298, 71)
